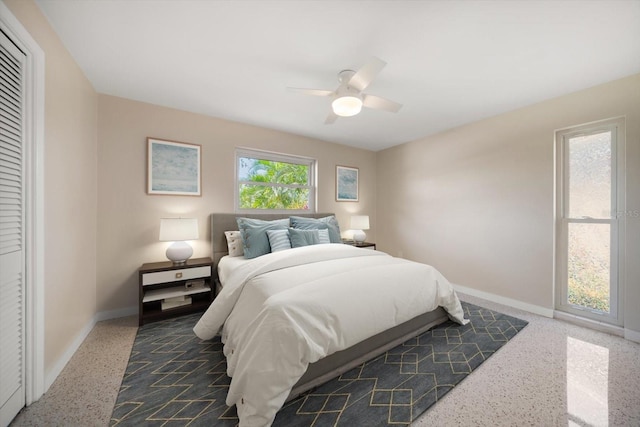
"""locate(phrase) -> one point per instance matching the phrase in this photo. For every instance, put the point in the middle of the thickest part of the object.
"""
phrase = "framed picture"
(173, 168)
(346, 184)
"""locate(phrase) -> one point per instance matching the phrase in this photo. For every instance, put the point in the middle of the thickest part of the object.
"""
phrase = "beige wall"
(70, 164)
(477, 202)
(128, 218)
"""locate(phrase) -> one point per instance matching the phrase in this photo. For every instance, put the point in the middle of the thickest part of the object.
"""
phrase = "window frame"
(276, 157)
(616, 220)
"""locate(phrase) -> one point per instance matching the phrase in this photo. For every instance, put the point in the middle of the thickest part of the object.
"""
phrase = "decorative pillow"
(279, 240)
(323, 236)
(303, 237)
(234, 243)
(254, 235)
(328, 222)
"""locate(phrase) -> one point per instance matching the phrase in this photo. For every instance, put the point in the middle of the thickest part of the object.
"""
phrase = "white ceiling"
(449, 62)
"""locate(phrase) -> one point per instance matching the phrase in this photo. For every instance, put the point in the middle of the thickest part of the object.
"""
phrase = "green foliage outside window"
(267, 184)
(588, 281)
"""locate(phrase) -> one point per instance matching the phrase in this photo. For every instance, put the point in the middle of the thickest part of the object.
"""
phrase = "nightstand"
(369, 245)
(167, 290)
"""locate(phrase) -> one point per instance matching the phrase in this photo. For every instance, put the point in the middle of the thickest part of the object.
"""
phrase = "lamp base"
(179, 252)
(359, 236)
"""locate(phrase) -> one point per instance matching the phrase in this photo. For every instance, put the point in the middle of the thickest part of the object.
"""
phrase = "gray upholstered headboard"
(221, 222)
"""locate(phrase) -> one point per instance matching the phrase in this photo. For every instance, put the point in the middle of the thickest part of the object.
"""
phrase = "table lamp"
(359, 223)
(177, 230)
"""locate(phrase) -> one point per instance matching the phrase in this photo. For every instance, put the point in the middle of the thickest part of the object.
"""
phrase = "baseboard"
(632, 335)
(51, 376)
(628, 334)
(531, 308)
(589, 323)
(114, 314)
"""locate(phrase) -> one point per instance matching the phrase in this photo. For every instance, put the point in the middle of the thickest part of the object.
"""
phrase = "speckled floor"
(551, 374)
(84, 393)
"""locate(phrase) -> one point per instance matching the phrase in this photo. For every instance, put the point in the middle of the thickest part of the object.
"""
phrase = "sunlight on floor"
(587, 383)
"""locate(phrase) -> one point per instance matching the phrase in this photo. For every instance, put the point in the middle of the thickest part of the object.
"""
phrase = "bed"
(291, 320)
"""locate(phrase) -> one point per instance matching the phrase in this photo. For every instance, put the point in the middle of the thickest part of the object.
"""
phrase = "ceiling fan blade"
(365, 75)
(377, 103)
(316, 92)
(332, 117)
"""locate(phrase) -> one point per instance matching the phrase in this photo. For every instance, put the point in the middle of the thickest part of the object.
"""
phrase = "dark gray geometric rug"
(175, 379)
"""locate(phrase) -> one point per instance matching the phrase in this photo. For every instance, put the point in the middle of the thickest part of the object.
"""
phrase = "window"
(274, 182)
(590, 213)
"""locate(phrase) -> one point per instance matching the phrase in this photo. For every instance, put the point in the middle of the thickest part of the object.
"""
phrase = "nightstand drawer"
(175, 275)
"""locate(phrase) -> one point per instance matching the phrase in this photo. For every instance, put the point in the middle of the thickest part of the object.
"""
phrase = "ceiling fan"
(348, 98)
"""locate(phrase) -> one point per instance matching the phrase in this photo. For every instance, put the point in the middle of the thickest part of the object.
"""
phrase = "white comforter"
(287, 309)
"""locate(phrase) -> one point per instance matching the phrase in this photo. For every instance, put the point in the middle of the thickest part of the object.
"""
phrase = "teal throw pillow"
(329, 222)
(255, 240)
(279, 240)
(303, 237)
(323, 236)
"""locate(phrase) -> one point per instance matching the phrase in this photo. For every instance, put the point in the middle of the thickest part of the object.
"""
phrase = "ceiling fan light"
(346, 106)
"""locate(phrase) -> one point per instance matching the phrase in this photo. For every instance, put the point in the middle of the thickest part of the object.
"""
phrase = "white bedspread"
(228, 264)
(287, 309)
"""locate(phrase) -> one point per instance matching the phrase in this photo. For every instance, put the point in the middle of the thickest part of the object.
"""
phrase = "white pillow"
(234, 243)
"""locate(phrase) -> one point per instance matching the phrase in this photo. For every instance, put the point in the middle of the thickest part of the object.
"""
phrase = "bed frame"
(335, 364)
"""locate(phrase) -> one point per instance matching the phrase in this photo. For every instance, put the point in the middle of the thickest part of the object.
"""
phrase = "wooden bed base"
(335, 364)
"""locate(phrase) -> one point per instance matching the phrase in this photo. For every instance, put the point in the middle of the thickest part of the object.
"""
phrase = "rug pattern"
(175, 379)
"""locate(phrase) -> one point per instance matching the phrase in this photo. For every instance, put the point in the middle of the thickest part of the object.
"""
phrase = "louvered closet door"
(12, 375)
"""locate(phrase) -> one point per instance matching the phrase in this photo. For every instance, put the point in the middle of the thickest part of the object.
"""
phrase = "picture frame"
(173, 168)
(346, 184)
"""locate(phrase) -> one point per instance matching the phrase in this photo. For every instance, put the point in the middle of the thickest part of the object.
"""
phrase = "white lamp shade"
(178, 229)
(347, 106)
(360, 222)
